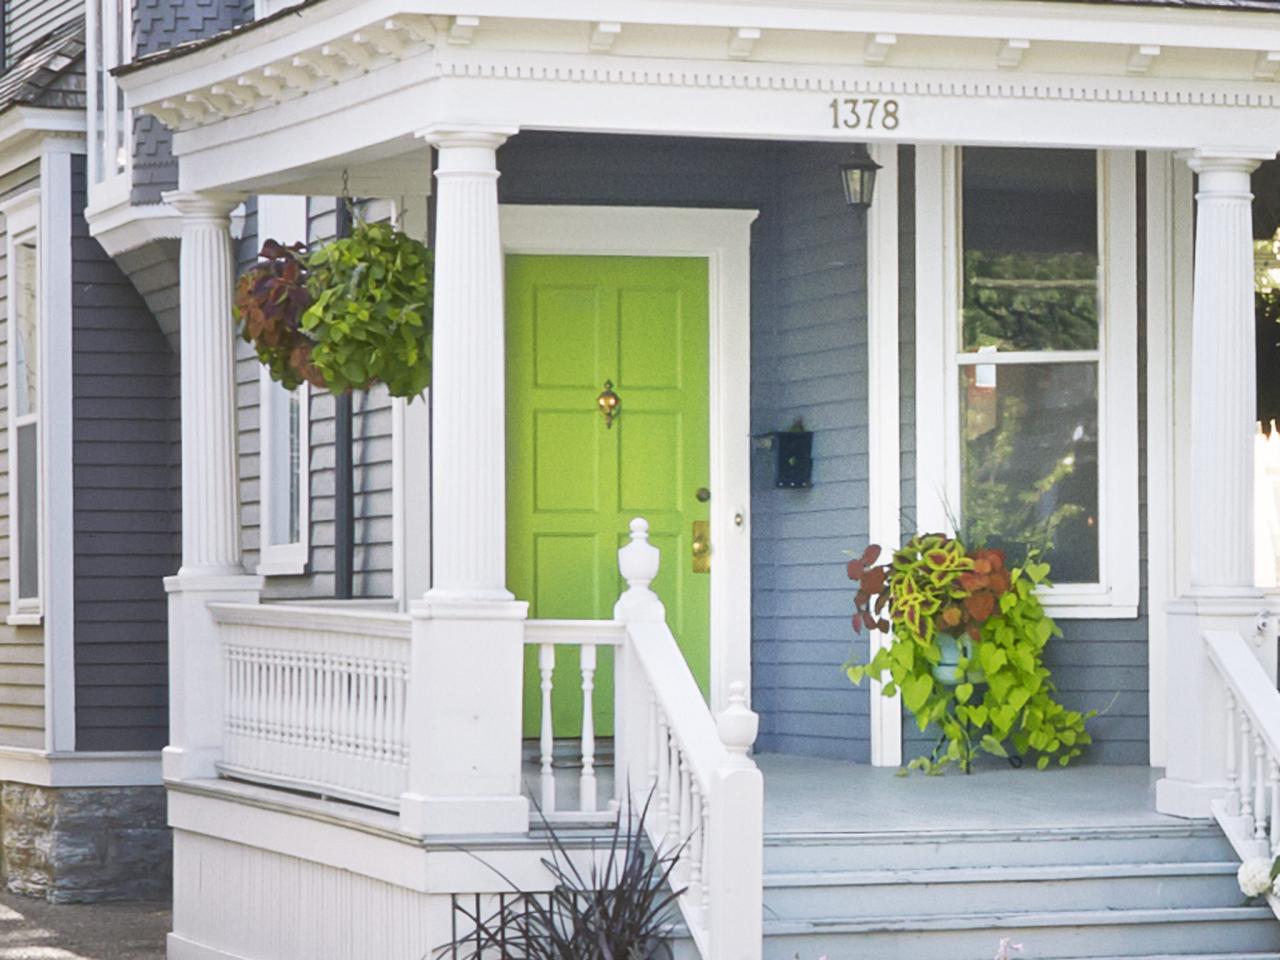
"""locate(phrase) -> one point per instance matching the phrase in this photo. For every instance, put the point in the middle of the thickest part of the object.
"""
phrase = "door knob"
(701, 548)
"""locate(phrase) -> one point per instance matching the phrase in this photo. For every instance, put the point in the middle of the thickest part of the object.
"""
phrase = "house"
(636, 208)
(89, 496)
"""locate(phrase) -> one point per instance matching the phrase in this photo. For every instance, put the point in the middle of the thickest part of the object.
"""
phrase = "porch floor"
(809, 795)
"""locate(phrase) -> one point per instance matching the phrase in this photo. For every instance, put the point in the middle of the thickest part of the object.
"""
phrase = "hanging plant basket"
(346, 316)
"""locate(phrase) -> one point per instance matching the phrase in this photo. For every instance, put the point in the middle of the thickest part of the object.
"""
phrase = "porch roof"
(256, 109)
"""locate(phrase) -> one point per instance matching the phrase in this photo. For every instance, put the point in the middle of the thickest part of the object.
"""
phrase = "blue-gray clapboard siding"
(127, 505)
(21, 648)
(809, 361)
(808, 334)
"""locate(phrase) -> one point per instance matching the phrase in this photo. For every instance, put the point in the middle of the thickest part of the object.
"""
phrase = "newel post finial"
(638, 563)
(738, 725)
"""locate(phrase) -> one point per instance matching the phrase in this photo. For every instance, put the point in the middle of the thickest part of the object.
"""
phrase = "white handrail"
(1249, 812)
(705, 795)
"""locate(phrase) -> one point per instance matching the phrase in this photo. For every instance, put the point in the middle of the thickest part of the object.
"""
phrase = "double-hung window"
(1034, 369)
(284, 434)
(24, 405)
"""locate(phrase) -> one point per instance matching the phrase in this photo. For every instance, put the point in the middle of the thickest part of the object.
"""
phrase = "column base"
(459, 816)
(196, 670)
(466, 710)
(1186, 798)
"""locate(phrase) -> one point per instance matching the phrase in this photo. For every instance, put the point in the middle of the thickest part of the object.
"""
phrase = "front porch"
(405, 731)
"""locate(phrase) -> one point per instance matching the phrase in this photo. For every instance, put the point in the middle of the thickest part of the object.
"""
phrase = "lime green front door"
(575, 481)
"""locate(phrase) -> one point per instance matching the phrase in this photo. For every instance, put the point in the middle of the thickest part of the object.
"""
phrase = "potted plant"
(345, 316)
(968, 638)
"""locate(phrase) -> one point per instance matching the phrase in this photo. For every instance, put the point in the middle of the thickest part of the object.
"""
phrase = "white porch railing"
(1249, 812)
(705, 794)
(315, 699)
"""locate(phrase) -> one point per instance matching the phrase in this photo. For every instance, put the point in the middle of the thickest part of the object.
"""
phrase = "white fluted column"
(1224, 408)
(468, 372)
(210, 495)
(1220, 542)
(467, 665)
(211, 568)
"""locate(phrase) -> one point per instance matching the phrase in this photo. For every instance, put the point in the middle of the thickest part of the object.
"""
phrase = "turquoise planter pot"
(947, 671)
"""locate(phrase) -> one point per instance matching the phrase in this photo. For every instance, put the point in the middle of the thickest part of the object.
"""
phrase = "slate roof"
(49, 72)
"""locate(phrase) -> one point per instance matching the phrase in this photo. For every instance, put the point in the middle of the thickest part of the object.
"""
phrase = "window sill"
(1064, 608)
(290, 561)
(24, 619)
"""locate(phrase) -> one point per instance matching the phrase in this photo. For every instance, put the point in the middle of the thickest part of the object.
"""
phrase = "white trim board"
(884, 491)
(1169, 254)
(41, 768)
(723, 237)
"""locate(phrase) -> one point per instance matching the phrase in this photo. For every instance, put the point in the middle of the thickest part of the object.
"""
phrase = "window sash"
(24, 289)
(939, 361)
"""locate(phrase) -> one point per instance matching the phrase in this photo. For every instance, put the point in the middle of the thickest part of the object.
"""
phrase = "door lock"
(701, 548)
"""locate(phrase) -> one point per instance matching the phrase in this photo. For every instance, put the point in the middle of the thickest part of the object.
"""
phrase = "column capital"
(203, 205)
(489, 136)
(1239, 160)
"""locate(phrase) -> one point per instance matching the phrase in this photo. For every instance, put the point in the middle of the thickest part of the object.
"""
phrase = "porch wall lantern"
(858, 176)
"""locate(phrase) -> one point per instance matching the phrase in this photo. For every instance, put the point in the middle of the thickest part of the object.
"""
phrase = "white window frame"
(107, 185)
(283, 219)
(22, 226)
(939, 257)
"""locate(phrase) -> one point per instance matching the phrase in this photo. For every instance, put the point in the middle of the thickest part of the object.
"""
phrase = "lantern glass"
(859, 179)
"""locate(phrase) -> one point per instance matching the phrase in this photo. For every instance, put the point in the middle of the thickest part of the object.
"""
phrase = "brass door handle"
(701, 548)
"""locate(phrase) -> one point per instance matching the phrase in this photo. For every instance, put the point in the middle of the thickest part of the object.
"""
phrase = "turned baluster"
(1246, 773)
(1274, 783)
(651, 780)
(1260, 789)
(547, 742)
(686, 809)
(674, 786)
(587, 781)
(695, 844)
(662, 780)
(1233, 772)
(704, 829)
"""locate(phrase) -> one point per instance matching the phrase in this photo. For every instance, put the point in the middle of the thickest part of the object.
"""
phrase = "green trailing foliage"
(936, 593)
(350, 314)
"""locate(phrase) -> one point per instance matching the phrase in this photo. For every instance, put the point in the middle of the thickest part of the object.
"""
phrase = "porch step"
(1193, 841)
(855, 894)
(1054, 935)
(1065, 893)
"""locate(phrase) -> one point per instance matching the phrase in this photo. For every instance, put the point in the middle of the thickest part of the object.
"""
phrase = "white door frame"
(723, 238)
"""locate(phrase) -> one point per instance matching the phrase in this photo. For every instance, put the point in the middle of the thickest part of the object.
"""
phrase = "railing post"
(735, 875)
(633, 738)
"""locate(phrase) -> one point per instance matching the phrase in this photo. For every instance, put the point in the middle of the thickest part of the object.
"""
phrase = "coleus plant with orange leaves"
(936, 595)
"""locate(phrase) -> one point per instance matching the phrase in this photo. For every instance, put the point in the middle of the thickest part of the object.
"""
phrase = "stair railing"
(1249, 811)
(690, 767)
(705, 794)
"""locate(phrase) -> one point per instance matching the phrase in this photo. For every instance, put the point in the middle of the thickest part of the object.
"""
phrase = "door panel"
(573, 484)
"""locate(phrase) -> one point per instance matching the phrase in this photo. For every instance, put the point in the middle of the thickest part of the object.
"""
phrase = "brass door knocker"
(609, 403)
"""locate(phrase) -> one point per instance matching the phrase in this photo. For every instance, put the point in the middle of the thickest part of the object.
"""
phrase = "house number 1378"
(869, 112)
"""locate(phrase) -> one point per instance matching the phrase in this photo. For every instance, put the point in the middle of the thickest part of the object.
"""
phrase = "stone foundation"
(85, 844)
